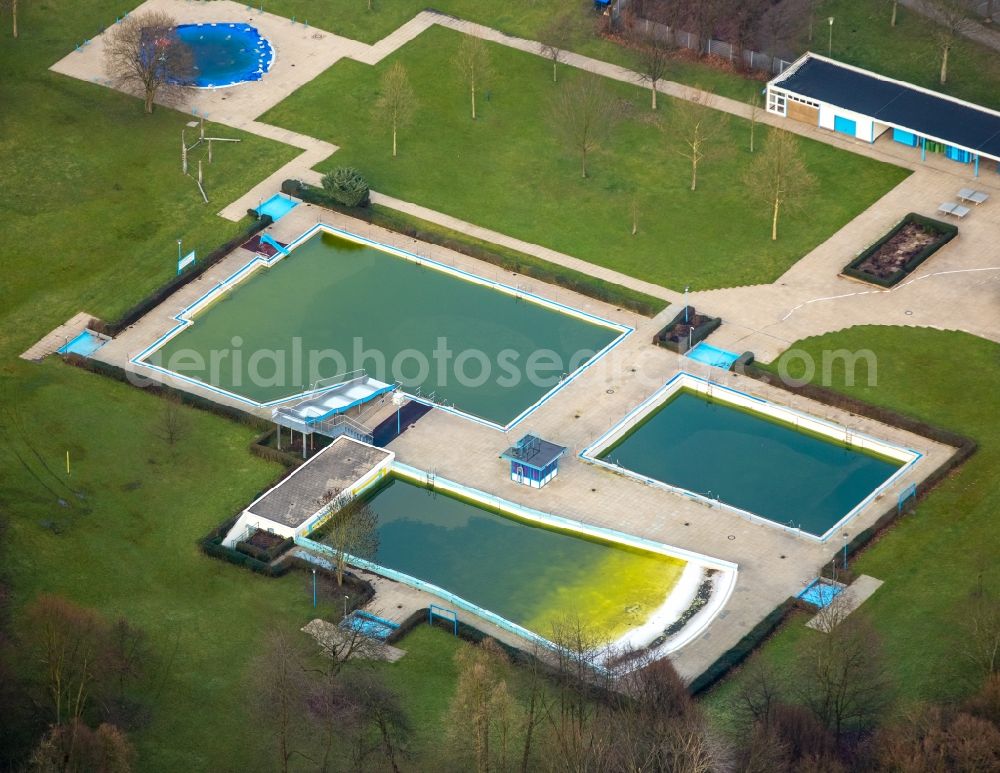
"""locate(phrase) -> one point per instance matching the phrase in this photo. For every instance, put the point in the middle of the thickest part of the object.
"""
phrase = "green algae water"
(750, 462)
(530, 575)
(333, 306)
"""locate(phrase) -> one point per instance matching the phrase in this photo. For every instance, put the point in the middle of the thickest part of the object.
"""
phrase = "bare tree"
(481, 716)
(396, 103)
(698, 125)
(473, 62)
(654, 62)
(280, 690)
(778, 177)
(351, 531)
(172, 423)
(144, 55)
(583, 114)
(13, 6)
(950, 15)
(555, 39)
(780, 25)
(75, 747)
(980, 640)
(754, 116)
(842, 675)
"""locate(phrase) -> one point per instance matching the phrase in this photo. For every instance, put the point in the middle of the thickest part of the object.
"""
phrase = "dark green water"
(529, 575)
(388, 316)
(750, 462)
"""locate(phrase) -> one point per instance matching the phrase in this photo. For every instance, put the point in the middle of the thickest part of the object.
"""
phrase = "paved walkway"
(852, 597)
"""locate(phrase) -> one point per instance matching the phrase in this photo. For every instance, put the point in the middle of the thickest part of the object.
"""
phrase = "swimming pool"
(712, 355)
(369, 625)
(821, 592)
(226, 54)
(764, 461)
(340, 302)
(528, 574)
(85, 344)
(277, 206)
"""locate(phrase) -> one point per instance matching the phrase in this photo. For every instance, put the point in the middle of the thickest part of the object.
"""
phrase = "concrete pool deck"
(773, 564)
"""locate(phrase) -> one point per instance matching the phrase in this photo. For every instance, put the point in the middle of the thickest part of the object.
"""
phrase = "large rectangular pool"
(530, 575)
(338, 303)
(751, 460)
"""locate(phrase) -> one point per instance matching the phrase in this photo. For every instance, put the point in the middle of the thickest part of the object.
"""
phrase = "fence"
(751, 60)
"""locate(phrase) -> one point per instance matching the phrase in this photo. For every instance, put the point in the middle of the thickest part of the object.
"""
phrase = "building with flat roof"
(836, 96)
(297, 504)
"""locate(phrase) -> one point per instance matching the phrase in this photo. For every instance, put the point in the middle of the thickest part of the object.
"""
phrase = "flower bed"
(914, 239)
(686, 329)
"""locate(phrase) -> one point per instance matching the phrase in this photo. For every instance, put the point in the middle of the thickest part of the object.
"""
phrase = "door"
(845, 125)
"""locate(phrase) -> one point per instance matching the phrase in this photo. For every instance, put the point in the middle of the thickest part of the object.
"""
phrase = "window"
(776, 102)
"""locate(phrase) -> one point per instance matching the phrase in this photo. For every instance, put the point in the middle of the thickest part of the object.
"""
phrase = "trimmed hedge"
(945, 231)
(509, 260)
(211, 545)
(167, 289)
(700, 333)
(740, 651)
(267, 555)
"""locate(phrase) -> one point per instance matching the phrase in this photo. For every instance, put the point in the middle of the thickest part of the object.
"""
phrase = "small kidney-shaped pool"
(226, 54)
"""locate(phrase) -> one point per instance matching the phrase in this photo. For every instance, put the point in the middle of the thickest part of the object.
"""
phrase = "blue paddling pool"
(226, 54)
(84, 344)
(713, 355)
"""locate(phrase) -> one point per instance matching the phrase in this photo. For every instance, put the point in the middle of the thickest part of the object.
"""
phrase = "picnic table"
(972, 196)
(951, 208)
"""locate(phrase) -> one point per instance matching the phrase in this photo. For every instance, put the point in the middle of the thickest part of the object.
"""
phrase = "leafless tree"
(351, 531)
(583, 114)
(654, 62)
(780, 24)
(481, 719)
(842, 675)
(172, 423)
(13, 6)
(554, 39)
(698, 125)
(932, 739)
(754, 116)
(396, 102)
(473, 62)
(778, 176)
(75, 747)
(980, 639)
(280, 691)
(143, 55)
(950, 15)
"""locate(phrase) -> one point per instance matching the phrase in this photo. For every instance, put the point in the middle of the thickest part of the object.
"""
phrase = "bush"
(699, 332)
(346, 186)
(944, 232)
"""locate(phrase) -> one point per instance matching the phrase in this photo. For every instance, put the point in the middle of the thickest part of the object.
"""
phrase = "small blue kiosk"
(533, 461)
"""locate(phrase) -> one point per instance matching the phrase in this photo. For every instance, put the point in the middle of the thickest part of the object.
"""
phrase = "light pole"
(314, 588)
(845, 551)
(346, 599)
(178, 252)
(829, 48)
(685, 304)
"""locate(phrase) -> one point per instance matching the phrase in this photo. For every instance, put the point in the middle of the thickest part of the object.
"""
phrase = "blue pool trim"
(589, 454)
(184, 318)
(813, 595)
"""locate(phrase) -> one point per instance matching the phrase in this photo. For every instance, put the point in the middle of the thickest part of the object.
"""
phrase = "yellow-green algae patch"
(531, 575)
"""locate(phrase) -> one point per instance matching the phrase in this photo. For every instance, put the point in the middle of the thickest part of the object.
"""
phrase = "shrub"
(346, 186)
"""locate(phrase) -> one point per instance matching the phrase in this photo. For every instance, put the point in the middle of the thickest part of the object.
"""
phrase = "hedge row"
(211, 545)
(167, 289)
(267, 555)
(743, 648)
(509, 260)
(945, 231)
(363, 590)
(700, 333)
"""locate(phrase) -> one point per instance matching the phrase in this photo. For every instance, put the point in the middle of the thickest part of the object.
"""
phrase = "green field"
(507, 170)
(936, 556)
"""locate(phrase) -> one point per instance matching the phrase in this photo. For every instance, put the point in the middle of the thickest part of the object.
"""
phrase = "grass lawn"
(863, 36)
(508, 171)
(934, 557)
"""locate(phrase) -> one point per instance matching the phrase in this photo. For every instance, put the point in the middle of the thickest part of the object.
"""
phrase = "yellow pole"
(67, 462)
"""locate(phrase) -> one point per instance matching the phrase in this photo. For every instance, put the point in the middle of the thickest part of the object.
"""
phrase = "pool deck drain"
(50, 342)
